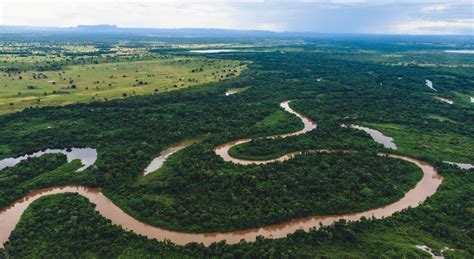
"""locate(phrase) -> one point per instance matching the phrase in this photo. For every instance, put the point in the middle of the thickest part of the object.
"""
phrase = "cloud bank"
(336, 16)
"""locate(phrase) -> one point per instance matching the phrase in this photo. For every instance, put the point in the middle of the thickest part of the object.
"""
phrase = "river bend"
(426, 187)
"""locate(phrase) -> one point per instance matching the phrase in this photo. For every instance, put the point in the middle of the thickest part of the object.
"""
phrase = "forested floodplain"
(197, 191)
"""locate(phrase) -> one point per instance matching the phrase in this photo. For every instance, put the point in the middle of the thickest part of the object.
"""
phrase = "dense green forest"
(301, 187)
(15, 181)
(197, 191)
(444, 220)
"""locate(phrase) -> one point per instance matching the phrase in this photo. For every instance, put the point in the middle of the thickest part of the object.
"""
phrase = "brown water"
(223, 150)
(426, 187)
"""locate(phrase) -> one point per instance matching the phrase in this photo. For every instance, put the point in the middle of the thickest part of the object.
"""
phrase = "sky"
(323, 16)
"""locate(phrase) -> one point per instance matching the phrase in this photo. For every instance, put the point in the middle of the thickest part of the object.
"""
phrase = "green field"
(101, 82)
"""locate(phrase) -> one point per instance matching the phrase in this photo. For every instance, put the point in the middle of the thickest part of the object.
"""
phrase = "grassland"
(93, 82)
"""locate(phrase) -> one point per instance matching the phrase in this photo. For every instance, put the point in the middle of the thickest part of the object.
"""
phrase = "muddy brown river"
(223, 150)
(426, 187)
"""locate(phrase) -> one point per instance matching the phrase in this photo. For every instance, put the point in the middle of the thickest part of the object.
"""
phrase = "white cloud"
(357, 16)
(167, 15)
(435, 27)
(271, 27)
(436, 8)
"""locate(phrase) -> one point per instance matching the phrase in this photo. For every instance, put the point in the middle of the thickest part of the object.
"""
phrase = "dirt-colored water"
(223, 150)
(426, 187)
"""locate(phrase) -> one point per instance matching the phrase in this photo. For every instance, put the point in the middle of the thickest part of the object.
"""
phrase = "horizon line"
(229, 29)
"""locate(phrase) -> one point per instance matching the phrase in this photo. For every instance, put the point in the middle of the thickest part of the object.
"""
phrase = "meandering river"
(426, 187)
(223, 150)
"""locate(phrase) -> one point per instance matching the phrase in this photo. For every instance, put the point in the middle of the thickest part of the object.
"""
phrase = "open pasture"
(94, 82)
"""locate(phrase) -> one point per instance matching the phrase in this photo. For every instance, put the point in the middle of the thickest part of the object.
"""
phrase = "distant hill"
(99, 27)
(148, 32)
(113, 32)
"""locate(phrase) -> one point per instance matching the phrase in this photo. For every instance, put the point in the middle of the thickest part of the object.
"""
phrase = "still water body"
(376, 135)
(211, 51)
(158, 161)
(430, 85)
(88, 156)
